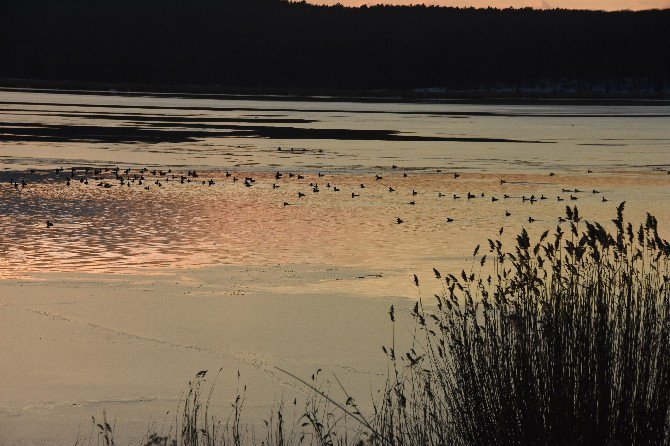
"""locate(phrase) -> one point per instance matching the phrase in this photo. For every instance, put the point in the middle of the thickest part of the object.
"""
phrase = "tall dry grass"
(565, 342)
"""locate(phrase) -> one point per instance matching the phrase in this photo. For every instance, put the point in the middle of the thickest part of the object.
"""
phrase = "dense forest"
(275, 44)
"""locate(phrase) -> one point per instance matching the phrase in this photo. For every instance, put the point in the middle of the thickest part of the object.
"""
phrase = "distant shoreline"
(483, 96)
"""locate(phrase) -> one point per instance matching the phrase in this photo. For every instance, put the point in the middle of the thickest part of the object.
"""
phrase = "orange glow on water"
(121, 229)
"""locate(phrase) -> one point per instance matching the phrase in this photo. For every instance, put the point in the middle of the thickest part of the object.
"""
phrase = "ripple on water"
(121, 229)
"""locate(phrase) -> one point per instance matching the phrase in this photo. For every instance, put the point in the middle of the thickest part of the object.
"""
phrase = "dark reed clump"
(565, 342)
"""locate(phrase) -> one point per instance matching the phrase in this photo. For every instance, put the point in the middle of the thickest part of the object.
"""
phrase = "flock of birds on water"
(107, 177)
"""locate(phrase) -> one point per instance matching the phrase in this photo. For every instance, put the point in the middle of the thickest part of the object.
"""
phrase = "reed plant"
(559, 341)
(320, 421)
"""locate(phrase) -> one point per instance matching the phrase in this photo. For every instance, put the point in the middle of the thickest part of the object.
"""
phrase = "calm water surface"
(621, 152)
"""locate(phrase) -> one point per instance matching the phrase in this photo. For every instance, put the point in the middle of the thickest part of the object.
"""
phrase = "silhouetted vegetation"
(314, 423)
(562, 341)
(272, 44)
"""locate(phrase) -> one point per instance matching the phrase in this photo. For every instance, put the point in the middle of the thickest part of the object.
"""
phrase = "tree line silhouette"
(276, 44)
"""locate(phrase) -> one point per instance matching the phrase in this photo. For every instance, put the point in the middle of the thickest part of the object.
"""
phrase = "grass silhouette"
(565, 342)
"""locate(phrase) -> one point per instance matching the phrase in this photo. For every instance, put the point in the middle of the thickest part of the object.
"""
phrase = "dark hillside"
(276, 44)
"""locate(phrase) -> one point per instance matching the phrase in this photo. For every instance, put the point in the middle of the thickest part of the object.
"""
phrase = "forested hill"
(282, 45)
